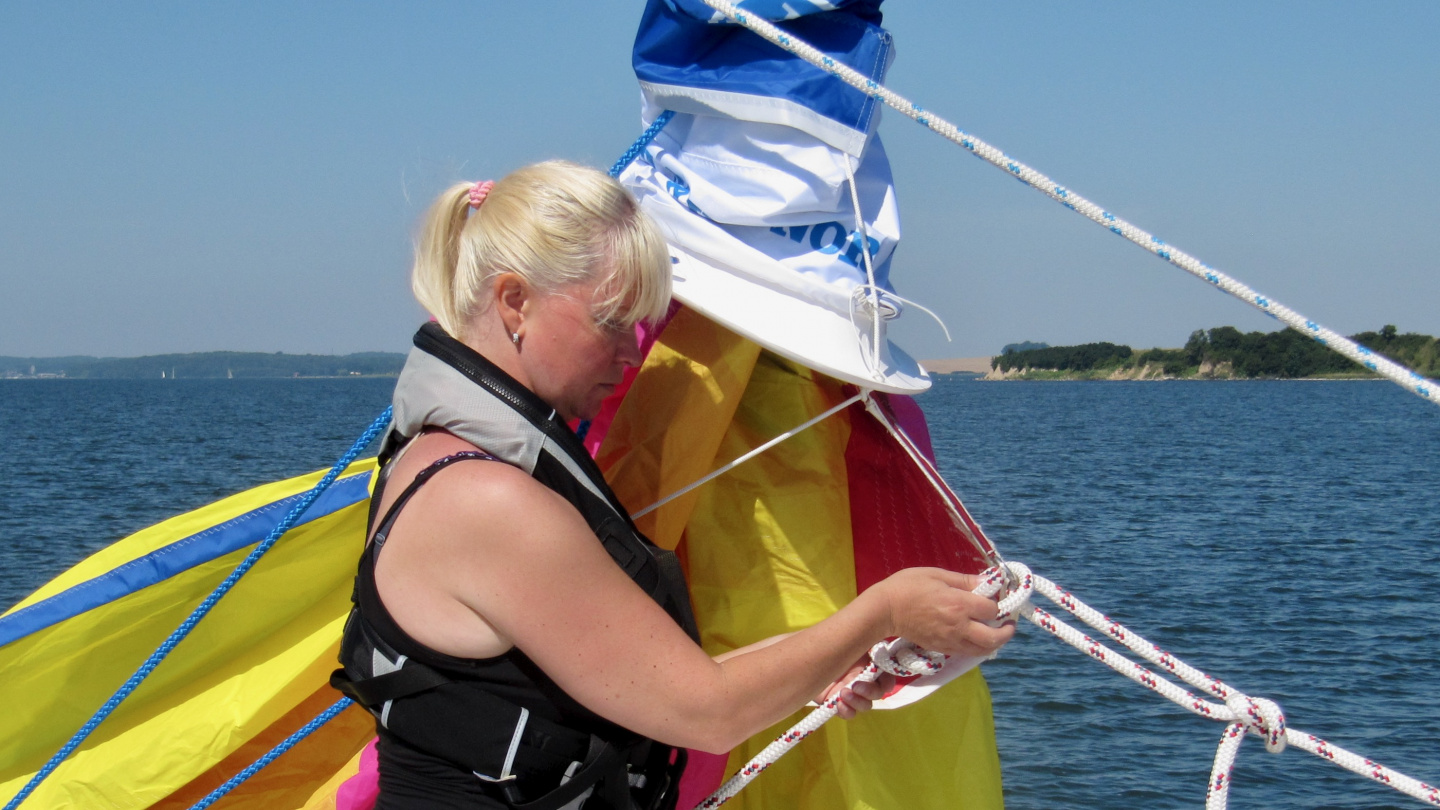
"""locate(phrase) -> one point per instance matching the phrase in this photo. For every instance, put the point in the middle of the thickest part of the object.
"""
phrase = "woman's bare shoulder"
(486, 495)
(476, 505)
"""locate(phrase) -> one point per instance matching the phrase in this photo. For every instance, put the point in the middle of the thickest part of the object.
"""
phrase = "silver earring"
(515, 338)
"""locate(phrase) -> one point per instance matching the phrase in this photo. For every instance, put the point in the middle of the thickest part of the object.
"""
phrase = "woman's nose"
(628, 351)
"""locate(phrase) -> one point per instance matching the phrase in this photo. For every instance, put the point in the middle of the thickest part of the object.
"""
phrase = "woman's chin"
(592, 405)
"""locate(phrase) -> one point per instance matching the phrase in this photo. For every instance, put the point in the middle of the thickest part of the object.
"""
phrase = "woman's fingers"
(955, 579)
(850, 704)
(874, 690)
(858, 696)
(984, 640)
(936, 609)
(884, 685)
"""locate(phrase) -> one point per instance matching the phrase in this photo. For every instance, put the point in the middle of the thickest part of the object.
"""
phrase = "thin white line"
(515, 743)
(753, 453)
(505, 775)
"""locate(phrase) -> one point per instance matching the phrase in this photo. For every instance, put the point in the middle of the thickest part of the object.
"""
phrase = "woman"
(510, 658)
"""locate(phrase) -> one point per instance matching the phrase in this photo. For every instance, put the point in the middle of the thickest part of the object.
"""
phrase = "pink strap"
(479, 192)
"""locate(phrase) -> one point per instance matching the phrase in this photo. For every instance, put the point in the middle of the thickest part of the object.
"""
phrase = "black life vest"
(503, 719)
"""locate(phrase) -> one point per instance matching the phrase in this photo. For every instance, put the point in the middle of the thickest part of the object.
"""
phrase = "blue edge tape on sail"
(163, 563)
(234, 534)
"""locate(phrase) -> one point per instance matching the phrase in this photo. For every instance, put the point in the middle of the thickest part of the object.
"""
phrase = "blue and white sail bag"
(752, 179)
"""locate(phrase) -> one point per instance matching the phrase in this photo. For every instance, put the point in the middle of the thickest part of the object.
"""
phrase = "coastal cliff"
(1222, 353)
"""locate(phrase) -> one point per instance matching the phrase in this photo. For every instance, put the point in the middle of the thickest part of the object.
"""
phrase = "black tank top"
(440, 717)
(512, 675)
(413, 779)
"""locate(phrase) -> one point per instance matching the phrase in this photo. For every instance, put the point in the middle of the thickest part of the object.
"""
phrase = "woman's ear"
(511, 293)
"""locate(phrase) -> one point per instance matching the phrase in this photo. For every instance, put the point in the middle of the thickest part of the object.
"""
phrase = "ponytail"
(437, 255)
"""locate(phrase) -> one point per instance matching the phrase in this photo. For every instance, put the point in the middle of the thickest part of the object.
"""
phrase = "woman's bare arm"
(488, 540)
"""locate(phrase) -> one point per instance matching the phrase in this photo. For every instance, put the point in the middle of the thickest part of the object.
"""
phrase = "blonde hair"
(554, 224)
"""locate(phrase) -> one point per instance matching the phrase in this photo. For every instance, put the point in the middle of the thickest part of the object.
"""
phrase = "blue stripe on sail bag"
(177, 557)
(687, 63)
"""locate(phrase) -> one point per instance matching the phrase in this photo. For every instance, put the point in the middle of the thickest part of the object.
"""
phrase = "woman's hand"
(857, 697)
(935, 609)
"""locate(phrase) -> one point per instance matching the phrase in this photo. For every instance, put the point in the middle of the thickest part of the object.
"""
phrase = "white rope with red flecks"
(1396, 373)
(1242, 713)
(898, 657)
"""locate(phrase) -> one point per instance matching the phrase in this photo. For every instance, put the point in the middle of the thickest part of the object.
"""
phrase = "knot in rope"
(877, 305)
(1014, 584)
(867, 299)
(870, 298)
(904, 658)
(1261, 717)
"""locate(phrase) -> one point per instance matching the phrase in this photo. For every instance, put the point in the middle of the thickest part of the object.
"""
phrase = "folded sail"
(770, 176)
(787, 292)
(250, 674)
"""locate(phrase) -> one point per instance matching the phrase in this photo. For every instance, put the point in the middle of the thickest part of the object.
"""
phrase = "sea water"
(1281, 536)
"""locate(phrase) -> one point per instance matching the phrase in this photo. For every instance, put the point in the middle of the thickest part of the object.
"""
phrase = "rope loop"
(903, 658)
(1014, 584)
(1018, 584)
(1241, 713)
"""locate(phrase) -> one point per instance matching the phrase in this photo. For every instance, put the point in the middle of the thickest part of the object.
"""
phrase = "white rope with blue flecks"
(1242, 713)
(1381, 365)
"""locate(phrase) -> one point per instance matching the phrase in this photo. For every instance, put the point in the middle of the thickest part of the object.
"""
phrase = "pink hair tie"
(479, 192)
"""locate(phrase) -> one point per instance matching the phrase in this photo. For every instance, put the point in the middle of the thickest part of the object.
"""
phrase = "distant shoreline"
(1354, 378)
(1156, 374)
(206, 365)
(958, 365)
(1221, 353)
(37, 377)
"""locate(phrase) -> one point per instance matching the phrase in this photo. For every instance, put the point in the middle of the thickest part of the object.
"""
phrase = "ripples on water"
(1281, 536)
(91, 461)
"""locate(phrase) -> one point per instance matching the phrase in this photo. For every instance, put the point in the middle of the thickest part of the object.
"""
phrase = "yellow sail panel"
(264, 649)
(938, 754)
(768, 549)
(182, 526)
(327, 796)
(670, 425)
(769, 544)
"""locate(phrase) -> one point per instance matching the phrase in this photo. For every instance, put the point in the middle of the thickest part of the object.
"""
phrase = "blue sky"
(247, 176)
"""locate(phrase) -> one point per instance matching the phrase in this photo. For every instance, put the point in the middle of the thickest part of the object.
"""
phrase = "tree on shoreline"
(206, 365)
(1226, 352)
